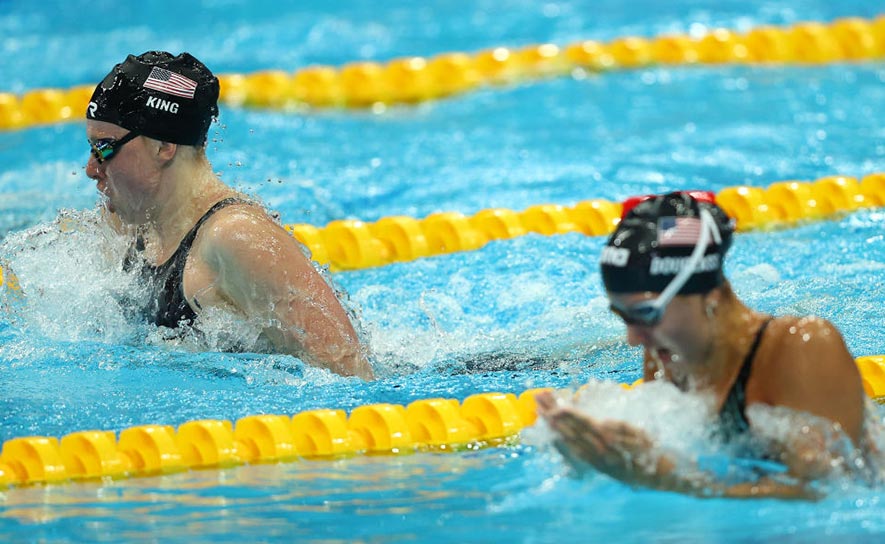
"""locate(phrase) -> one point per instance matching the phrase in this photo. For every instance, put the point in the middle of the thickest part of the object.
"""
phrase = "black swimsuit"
(168, 306)
(732, 417)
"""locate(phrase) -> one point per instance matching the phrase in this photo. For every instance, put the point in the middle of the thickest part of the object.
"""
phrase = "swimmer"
(662, 270)
(200, 243)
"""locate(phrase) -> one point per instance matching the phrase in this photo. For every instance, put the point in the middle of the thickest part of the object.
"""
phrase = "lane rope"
(437, 424)
(411, 80)
(350, 244)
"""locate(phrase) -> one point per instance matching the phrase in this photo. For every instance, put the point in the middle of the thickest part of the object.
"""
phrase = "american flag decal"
(678, 231)
(170, 83)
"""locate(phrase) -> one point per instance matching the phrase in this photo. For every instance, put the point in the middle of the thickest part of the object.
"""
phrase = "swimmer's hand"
(626, 454)
(612, 447)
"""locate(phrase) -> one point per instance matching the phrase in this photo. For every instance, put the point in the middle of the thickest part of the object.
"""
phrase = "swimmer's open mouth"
(661, 354)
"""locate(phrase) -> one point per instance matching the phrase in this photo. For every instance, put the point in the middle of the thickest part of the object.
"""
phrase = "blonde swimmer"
(200, 244)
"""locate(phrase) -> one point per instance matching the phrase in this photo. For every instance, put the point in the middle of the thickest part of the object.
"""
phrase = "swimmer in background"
(203, 244)
(662, 269)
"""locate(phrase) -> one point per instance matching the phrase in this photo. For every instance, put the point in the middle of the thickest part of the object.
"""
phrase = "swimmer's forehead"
(96, 130)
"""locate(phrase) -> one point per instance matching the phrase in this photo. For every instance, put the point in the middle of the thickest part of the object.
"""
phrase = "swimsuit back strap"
(732, 416)
(170, 306)
(751, 355)
(188, 240)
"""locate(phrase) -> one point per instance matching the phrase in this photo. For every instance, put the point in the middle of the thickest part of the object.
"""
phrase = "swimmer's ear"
(713, 298)
(167, 151)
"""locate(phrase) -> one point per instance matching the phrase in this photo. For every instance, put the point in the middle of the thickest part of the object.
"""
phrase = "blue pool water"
(69, 360)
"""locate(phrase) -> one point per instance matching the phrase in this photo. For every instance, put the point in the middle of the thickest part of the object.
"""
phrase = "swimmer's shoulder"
(241, 220)
(791, 335)
(808, 367)
(245, 230)
(798, 348)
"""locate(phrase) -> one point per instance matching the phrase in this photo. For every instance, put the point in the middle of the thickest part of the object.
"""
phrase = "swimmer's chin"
(104, 202)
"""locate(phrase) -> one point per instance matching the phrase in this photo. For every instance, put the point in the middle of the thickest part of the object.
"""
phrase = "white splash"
(72, 283)
(674, 421)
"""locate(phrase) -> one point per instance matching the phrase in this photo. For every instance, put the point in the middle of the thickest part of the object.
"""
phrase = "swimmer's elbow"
(356, 365)
(344, 357)
(347, 362)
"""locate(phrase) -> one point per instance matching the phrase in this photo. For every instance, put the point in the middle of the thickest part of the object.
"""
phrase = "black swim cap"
(172, 99)
(655, 239)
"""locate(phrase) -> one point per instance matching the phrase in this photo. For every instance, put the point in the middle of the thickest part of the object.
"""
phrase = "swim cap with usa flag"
(158, 95)
(655, 238)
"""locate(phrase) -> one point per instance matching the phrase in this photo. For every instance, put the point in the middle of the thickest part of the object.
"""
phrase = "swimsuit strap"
(751, 355)
(732, 416)
(169, 306)
(188, 240)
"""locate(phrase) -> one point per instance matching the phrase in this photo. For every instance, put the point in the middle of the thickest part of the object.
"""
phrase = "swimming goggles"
(105, 148)
(649, 313)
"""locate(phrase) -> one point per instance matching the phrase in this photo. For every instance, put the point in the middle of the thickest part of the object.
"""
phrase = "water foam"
(73, 287)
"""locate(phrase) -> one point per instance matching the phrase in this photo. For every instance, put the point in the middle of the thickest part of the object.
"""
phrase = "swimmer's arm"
(696, 482)
(767, 488)
(810, 370)
(262, 271)
(626, 454)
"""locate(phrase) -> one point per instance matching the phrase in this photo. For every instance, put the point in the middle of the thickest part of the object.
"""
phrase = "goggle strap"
(129, 136)
(708, 228)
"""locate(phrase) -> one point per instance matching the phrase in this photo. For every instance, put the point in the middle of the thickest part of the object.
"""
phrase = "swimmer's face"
(681, 337)
(125, 179)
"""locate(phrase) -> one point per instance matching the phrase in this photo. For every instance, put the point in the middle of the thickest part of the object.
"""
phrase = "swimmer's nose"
(638, 335)
(93, 169)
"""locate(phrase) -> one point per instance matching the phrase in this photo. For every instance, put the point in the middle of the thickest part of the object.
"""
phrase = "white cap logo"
(615, 256)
